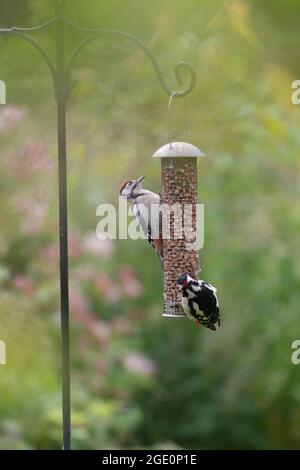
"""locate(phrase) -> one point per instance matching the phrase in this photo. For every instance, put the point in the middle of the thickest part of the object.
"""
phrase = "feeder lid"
(178, 149)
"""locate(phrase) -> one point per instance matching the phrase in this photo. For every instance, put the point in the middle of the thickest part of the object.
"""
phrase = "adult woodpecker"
(146, 209)
(199, 301)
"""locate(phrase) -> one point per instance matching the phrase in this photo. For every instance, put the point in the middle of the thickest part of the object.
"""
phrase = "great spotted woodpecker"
(146, 209)
(199, 301)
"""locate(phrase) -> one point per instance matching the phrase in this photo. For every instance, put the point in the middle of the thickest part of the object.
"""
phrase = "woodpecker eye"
(129, 184)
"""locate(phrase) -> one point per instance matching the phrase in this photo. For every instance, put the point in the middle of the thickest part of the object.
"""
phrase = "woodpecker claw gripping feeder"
(177, 173)
(179, 192)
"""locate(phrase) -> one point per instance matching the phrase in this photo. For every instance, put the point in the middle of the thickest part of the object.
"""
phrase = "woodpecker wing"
(202, 304)
(146, 215)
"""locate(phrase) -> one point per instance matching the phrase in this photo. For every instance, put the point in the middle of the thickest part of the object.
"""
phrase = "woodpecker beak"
(136, 183)
(138, 180)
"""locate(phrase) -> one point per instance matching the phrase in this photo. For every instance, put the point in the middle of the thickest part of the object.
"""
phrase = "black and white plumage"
(146, 209)
(200, 301)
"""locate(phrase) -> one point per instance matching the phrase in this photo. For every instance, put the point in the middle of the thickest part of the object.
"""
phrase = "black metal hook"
(98, 32)
(95, 33)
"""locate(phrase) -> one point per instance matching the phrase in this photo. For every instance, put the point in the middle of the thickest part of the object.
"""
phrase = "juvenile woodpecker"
(146, 209)
(199, 301)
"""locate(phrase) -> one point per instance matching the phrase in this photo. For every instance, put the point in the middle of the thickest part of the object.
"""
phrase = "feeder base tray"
(174, 315)
(173, 309)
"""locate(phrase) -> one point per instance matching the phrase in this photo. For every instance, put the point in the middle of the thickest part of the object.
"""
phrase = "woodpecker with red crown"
(199, 301)
(146, 209)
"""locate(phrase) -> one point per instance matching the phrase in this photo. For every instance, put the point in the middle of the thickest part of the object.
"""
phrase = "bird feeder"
(179, 190)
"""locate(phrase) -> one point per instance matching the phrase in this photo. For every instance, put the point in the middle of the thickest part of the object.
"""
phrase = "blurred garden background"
(140, 380)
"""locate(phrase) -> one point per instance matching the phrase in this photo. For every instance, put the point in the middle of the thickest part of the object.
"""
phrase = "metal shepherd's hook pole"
(61, 94)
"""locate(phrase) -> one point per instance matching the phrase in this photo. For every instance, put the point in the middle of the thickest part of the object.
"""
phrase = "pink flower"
(138, 363)
(81, 312)
(85, 273)
(96, 246)
(23, 284)
(108, 288)
(34, 210)
(32, 159)
(10, 118)
(75, 250)
(100, 331)
(131, 285)
(121, 325)
(34, 153)
(50, 254)
(78, 304)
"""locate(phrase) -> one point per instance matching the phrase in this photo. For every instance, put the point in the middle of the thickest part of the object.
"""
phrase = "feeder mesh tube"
(179, 186)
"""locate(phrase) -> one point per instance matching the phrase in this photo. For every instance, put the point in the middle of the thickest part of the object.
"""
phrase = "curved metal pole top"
(181, 67)
(23, 34)
(17, 29)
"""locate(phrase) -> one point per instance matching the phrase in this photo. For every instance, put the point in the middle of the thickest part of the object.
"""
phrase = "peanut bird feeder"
(179, 200)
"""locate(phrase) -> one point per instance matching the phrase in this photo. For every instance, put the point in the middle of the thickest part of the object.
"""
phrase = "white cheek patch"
(190, 293)
(186, 309)
(196, 288)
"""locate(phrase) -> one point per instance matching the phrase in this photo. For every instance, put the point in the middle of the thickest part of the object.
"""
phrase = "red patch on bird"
(185, 284)
(124, 184)
(158, 243)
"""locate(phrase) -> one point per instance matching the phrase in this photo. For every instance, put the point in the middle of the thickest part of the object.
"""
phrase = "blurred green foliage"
(140, 380)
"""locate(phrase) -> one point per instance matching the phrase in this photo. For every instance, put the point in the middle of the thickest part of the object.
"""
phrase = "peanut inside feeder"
(179, 190)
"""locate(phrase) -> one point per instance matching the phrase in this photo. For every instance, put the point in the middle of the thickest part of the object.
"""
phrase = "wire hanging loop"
(183, 65)
(175, 94)
(170, 116)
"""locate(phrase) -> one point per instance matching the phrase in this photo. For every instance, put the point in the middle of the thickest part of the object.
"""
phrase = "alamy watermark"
(2, 92)
(169, 222)
(2, 352)
(295, 357)
(295, 98)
